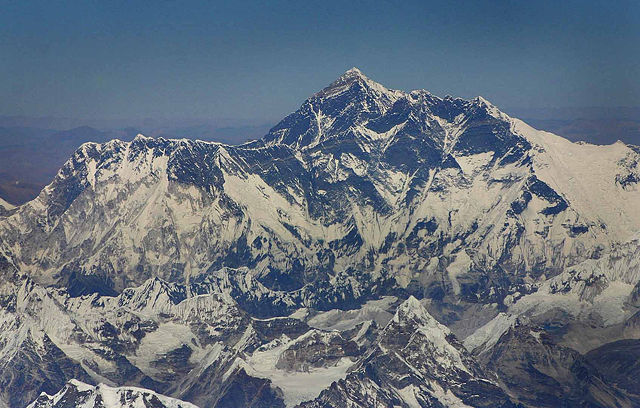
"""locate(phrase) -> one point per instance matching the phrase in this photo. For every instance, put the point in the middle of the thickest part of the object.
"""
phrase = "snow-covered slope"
(599, 182)
(5, 205)
(77, 394)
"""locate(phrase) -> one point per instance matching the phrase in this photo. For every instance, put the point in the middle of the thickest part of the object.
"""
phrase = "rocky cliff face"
(261, 274)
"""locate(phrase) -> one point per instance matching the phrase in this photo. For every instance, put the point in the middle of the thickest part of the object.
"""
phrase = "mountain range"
(31, 156)
(375, 248)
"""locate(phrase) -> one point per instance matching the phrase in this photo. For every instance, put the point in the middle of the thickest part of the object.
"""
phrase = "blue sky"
(260, 60)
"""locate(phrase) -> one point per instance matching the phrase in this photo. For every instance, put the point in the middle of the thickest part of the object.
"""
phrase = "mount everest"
(375, 248)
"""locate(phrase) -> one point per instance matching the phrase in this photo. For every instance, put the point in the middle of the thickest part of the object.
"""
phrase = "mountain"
(76, 394)
(31, 157)
(415, 362)
(359, 178)
(286, 270)
(537, 371)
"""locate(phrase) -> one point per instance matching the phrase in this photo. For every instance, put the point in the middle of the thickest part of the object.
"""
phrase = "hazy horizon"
(246, 61)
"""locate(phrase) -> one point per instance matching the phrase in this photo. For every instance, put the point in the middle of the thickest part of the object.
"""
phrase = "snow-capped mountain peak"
(413, 325)
(351, 100)
(355, 77)
(411, 310)
(77, 394)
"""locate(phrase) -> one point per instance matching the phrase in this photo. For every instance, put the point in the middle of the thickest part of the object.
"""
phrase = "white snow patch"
(489, 334)
(6, 205)
(297, 386)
